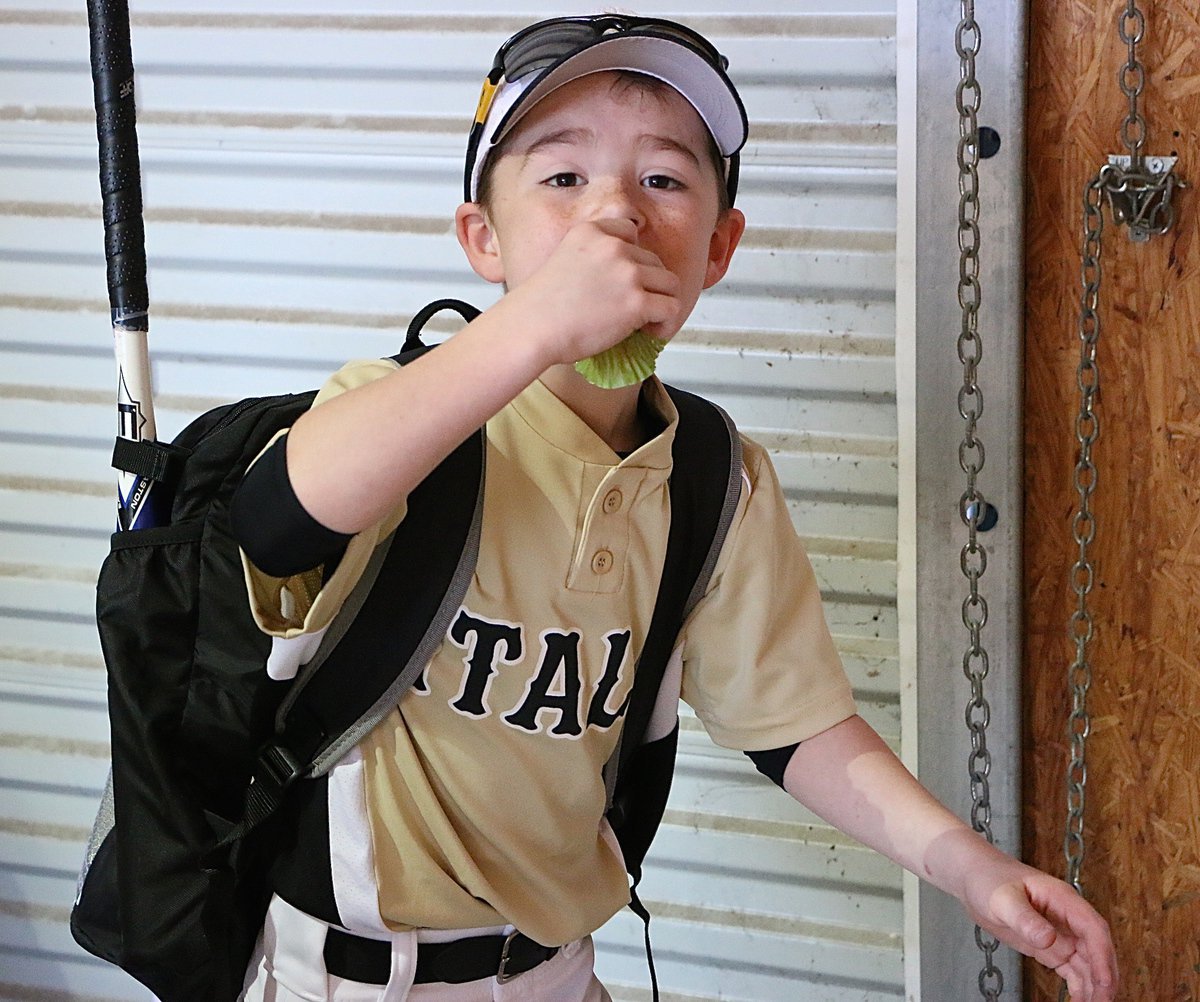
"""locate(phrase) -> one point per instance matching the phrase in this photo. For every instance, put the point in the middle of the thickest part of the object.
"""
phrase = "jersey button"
(602, 562)
(612, 501)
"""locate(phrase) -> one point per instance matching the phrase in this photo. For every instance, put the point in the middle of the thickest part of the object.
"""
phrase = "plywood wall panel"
(1143, 790)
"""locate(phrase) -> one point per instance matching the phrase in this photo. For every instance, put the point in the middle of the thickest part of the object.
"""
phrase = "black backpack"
(206, 746)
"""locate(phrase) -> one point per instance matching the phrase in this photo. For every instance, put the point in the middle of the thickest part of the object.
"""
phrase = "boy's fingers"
(661, 316)
(1096, 947)
(1087, 981)
(1081, 949)
(625, 229)
(657, 278)
(1089, 934)
(1074, 982)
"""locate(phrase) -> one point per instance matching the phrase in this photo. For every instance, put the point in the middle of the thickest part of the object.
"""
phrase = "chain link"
(971, 456)
(1131, 26)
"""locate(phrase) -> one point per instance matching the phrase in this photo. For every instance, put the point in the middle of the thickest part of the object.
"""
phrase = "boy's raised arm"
(849, 777)
(351, 459)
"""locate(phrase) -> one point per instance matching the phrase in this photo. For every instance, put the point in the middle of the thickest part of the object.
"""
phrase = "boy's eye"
(564, 179)
(662, 182)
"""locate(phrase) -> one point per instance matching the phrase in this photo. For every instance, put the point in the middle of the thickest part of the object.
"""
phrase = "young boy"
(469, 824)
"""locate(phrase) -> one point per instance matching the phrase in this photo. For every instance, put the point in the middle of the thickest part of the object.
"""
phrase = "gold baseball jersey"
(479, 800)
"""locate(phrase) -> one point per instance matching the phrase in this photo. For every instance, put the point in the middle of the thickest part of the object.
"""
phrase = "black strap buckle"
(276, 769)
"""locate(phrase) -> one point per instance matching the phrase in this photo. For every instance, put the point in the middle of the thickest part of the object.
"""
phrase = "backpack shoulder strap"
(705, 485)
(397, 614)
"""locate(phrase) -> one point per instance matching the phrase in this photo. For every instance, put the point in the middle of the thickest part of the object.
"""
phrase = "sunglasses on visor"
(540, 46)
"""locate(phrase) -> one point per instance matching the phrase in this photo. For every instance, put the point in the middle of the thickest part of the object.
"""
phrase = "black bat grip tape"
(120, 168)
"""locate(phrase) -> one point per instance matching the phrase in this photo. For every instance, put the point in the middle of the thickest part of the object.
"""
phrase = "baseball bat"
(124, 245)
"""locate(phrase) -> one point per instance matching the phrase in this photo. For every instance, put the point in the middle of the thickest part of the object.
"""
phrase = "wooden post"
(1143, 791)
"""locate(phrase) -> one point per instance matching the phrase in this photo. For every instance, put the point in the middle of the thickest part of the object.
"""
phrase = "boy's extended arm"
(849, 777)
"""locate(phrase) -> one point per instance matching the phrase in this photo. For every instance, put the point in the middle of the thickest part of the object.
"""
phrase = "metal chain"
(1140, 195)
(1131, 26)
(1116, 183)
(973, 558)
(1083, 525)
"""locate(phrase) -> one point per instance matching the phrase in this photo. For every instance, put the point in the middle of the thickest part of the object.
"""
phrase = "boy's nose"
(616, 199)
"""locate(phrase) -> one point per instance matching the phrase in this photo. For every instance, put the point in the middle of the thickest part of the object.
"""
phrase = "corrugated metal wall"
(300, 169)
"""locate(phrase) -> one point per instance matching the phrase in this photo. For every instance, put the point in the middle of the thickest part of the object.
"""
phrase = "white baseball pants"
(288, 966)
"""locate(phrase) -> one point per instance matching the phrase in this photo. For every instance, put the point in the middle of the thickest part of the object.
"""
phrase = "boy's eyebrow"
(573, 136)
(669, 143)
(576, 135)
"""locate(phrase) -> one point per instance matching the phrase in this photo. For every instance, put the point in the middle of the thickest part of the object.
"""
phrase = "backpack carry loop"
(413, 338)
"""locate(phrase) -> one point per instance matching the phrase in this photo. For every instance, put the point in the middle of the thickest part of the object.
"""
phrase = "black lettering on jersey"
(421, 685)
(556, 687)
(598, 713)
(483, 658)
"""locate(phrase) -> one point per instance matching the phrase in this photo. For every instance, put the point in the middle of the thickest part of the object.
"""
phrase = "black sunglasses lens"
(541, 45)
(686, 37)
(537, 49)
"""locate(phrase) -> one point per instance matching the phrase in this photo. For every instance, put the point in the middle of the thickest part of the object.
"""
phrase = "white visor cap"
(694, 77)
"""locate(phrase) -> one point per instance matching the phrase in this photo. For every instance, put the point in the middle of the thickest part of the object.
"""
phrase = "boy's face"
(604, 147)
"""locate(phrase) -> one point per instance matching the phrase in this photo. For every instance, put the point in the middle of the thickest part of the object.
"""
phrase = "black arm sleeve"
(772, 763)
(271, 525)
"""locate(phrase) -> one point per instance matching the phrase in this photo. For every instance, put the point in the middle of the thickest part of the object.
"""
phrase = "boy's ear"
(722, 244)
(478, 241)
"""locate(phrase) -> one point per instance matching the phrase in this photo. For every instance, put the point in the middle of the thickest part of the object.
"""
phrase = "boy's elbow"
(269, 523)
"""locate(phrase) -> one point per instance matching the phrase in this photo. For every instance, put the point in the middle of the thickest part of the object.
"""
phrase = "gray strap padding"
(337, 628)
(423, 653)
(733, 492)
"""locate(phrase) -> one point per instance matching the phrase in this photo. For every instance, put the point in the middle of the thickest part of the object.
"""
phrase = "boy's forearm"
(848, 776)
(353, 458)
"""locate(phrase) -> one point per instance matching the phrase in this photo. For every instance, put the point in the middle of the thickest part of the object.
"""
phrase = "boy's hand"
(1044, 918)
(595, 288)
